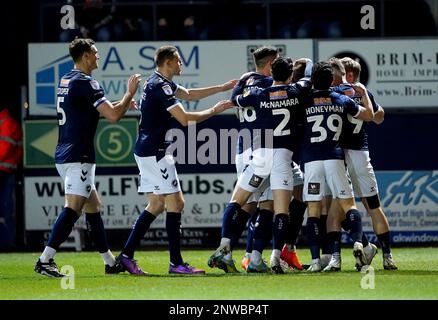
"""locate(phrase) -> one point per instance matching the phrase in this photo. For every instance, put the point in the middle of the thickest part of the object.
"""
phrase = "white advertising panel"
(409, 200)
(204, 64)
(400, 73)
(206, 196)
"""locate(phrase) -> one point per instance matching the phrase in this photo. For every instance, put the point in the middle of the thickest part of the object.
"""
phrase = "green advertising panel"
(114, 143)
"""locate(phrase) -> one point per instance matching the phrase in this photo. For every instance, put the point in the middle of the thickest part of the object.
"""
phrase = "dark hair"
(322, 75)
(164, 53)
(78, 47)
(281, 69)
(263, 54)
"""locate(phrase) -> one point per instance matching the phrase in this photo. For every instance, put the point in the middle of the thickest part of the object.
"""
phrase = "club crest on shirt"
(250, 81)
(167, 89)
(95, 84)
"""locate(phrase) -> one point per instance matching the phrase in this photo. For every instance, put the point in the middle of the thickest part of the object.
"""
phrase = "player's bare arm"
(199, 93)
(379, 116)
(184, 117)
(367, 114)
(114, 112)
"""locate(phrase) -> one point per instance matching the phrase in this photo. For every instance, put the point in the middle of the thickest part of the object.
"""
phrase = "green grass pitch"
(416, 279)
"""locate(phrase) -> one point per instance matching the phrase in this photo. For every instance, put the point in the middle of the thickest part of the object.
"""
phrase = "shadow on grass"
(288, 274)
(295, 273)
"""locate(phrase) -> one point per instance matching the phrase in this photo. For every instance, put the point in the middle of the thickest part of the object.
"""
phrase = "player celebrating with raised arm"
(81, 100)
(158, 176)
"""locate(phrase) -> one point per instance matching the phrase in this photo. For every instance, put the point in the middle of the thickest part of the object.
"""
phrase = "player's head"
(338, 70)
(322, 75)
(281, 70)
(84, 52)
(298, 69)
(264, 56)
(167, 57)
(352, 69)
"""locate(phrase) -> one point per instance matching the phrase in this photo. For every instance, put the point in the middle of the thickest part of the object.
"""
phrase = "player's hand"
(223, 105)
(229, 85)
(134, 105)
(133, 83)
(359, 88)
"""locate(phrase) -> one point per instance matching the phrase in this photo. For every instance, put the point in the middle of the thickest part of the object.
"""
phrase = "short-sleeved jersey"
(325, 112)
(157, 99)
(78, 97)
(275, 107)
(246, 115)
(355, 136)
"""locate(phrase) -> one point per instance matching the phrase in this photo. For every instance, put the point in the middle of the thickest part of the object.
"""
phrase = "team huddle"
(307, 151)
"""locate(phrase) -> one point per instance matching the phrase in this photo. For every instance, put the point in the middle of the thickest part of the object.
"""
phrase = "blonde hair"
(353, 66)
(338, 67)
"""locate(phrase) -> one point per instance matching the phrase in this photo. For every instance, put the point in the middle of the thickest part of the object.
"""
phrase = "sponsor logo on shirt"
(64, 82)
(276, 95)
(322, 101)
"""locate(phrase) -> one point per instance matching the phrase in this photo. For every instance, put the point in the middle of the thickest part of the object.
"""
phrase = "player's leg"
(281, 221)
(326, 253)
(282, 183)
(365, 186)
(249, 209)
(249, 182)
(253, 211)
(313, 235)
(337, 179)
(154, 185)
(262, 233)
(78, 182)
(381, 229)
(154, 208)
(297, 208)
(354, 220)
(222, 257)
(96, 228)
(314, 189)
(334, 217)
(174, 208)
